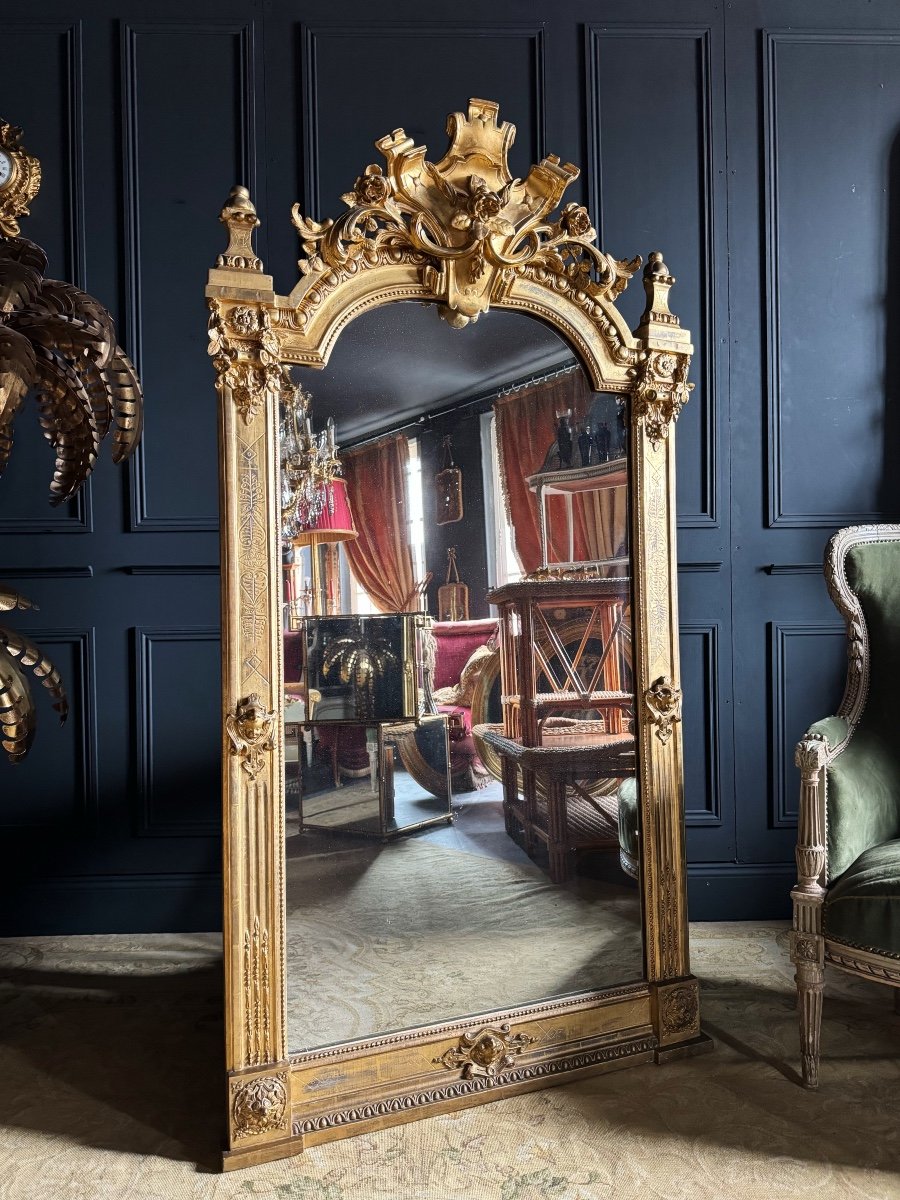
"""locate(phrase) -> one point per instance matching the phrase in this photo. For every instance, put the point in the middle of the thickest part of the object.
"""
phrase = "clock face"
(5, 169)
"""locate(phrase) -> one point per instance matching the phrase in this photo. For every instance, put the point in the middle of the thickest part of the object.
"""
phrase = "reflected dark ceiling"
(401, 362)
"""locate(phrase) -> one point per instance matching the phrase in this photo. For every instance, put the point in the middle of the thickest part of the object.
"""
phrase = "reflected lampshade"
(334, 523)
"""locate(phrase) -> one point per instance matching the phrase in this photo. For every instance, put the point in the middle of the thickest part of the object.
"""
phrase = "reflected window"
(360, 600)
(503, 561)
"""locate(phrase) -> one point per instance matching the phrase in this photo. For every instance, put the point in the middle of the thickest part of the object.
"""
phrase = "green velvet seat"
(863, 907)
(847, 896)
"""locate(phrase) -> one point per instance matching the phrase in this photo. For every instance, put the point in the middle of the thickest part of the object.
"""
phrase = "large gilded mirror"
(454, 857)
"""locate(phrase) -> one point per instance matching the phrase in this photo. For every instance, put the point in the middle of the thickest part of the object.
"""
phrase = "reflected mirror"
(461, 803)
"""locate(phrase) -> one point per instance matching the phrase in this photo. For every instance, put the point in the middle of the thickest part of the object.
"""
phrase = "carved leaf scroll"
(485, 1052)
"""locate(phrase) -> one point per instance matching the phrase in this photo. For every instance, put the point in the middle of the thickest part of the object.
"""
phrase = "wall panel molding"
(777, 515)
(149, 822)
(142, 520)
(783, 801)
(173, 569)
(311, 34)
(176, 902)
(700, 568)
(48, 572)
(81, 690)
(707, 335)
(708, 634)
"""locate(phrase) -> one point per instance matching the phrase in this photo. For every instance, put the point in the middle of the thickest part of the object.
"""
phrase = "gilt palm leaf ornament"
(361, 663)
(58, 343)
(17, 712)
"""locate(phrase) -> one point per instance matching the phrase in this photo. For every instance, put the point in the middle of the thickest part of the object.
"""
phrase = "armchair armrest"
(816, 750)
(835, 731)
(811, 756)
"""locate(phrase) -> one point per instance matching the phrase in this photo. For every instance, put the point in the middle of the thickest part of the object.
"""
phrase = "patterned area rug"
(388, 937)
(111, 1091)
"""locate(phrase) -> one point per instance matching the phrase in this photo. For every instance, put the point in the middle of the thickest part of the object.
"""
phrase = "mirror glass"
(442, 861)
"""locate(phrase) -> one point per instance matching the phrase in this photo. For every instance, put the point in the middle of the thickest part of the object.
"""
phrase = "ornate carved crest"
(23, 183)
(250, 728)
(663, 700)
(260, 1106)
(465, 221)
(485, 1051)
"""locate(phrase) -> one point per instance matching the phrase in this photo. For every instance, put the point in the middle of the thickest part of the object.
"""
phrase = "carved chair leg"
(810, 980)
(807, 942)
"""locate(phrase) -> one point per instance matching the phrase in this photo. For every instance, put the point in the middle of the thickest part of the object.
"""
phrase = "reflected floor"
(442, 924)
(352, 806)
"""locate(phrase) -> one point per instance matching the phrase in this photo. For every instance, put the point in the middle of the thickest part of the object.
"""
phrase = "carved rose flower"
(483, 204)
(372, 188)
(576, 220)
(480, 210)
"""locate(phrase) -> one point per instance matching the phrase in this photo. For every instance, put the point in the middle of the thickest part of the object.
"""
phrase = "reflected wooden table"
(555, 807)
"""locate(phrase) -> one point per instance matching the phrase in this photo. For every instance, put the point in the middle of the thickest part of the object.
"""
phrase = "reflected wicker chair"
(847, 896)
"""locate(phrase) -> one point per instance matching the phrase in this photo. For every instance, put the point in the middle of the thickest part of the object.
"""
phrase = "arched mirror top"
(466, 235)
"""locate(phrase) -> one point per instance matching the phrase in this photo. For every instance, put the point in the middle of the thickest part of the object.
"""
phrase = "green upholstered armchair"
(847, 896)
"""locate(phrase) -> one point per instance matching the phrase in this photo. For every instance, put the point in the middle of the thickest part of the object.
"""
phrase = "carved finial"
(657, 282)
(20, 179)
(239, 217)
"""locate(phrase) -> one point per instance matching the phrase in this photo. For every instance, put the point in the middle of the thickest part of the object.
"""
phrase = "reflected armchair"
(847, 897)
(461, 655)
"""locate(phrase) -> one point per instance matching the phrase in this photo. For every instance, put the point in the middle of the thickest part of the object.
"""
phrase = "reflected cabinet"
(396, 947)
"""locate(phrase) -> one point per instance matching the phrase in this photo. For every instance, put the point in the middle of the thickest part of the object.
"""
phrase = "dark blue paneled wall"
(757, 144)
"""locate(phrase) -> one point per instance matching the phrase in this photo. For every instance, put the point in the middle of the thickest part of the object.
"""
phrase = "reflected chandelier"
(309, 465)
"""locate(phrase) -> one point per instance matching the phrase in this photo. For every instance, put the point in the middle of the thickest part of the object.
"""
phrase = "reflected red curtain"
(526, 429)
(380, 558)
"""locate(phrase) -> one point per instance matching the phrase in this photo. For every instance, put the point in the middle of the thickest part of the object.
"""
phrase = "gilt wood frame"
(465, 235)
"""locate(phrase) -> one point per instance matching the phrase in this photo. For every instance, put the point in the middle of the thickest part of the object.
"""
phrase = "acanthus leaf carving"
(811, 755)
(246, 356)
(661, 393)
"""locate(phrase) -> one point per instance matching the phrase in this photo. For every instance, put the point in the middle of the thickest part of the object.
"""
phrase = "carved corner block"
(677, 1011)
(259, 1107)
(807, 949)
